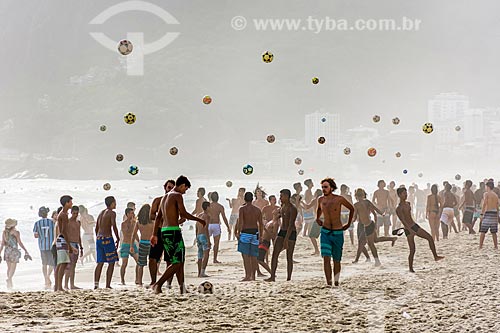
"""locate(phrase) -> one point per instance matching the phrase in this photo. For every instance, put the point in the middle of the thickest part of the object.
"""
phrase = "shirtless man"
(393, 202)
(235, 205)
(448, 212)
(203, 241)
(267, 211)
(63, 245)
(145, 227)
(105, 245)
(76, 242)
(296, 199)
(248, 229)
(468, 205)
(332, 231)
(478, 197)
(421, 200)
(269, 233)
(344, 213)
(489, 215)
(412, 229)
(201, 199)
(155, 252)
(128, 247)
(363, 209)
(88, 224)
(171, 211)
(308, 194)
(381, 201)
(214, 230)
(286, 237)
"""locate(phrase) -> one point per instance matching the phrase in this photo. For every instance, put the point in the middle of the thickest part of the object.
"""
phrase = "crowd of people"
(257, 221)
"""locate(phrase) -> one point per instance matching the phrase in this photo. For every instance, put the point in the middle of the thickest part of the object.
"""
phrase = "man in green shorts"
(171, 209)
(332, 231)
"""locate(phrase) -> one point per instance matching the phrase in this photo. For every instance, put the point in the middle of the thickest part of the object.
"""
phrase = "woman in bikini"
(433, 211)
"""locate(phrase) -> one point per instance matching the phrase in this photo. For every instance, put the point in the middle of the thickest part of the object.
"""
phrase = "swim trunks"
(233, 219)
(173, 244)
(156, 251)
(263, 249)
(332, 243)
(468, 215)
(144, 247)
(214, 230)
(62, 251)
(106, 250)
(202, 242)
(74, 256)
(414, 227)
(447, 215)
(249, 242)
(490, 222)
(315, 230)
(369, 229)
(293, 235)
(125, 250)
(383, 220)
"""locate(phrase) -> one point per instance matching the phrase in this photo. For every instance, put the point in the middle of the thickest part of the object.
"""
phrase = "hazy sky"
(390, 73)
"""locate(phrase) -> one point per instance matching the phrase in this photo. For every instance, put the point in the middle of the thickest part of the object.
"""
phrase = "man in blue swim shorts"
(332, 231)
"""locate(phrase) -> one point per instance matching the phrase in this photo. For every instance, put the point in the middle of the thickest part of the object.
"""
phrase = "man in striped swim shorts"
(489, 216)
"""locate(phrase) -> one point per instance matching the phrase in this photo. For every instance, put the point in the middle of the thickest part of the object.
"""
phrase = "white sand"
(454, 295)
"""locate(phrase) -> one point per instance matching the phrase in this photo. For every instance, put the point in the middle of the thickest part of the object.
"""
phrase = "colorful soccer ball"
(315, 80)
(125, 47)
(347, 150)
(323, 119)
(207, 99)
(376, 119)
(119, 157)
(301, 172)
(271, 138)
(129, 118)
(398, 154)
(321, 140)
(103, 128)
(133, 170)
(229, 183)
(174, 151)
(372, 152)
(267, 57)
(405, 171)
(428, 128)
(106, 187)
(458, 177)
(248, 169)
(298, 161)
(206, 288)
(395, 121)
(458, 128)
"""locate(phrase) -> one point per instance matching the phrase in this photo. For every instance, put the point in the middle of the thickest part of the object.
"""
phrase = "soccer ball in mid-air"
(405, 171)
(301, 172)
(106, 187)
(315, 80)
(206, 288)
(323, 120)
(207, 99)
(376, 118)
(119, 157)
(398, 154)
(428, 128)
(298, 161)
(458, 128)
(347, 150)
(321, 140)
(174, 151)
(125, 47)
(129, 118)
(458, 177)
(395, 121)
(103, 128)
(248, 169)
(420, 175)
(267, 57)
(229, 183)
(133, 170)
(372, 152)
(271, 138)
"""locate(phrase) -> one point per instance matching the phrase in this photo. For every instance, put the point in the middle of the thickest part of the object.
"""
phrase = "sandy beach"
(455, 295)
